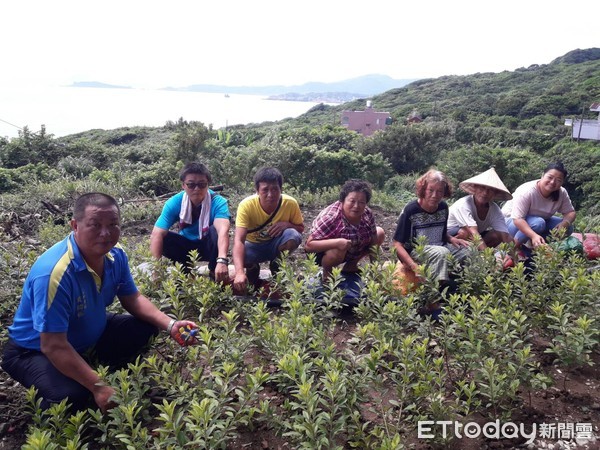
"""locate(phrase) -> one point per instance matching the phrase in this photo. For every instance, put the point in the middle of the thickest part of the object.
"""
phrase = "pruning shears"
(184, 334)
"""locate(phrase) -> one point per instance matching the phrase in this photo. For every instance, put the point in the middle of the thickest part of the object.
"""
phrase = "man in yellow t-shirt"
(267, 223)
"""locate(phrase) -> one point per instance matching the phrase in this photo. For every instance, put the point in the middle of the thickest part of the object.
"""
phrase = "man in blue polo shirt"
(62, 316)
(203, 220)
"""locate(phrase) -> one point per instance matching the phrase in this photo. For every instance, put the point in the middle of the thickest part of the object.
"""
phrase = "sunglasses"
(193, 186)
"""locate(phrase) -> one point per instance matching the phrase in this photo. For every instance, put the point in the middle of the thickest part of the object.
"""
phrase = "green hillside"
(532, 97)
(513, 121)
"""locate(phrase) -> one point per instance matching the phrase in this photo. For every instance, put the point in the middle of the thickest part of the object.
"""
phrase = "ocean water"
(68, 110)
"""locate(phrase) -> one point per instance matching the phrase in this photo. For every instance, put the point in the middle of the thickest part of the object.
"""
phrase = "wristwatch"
(223, 261)
(170, 326)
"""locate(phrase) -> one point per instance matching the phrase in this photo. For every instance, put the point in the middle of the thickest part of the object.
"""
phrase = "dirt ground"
(579, 403)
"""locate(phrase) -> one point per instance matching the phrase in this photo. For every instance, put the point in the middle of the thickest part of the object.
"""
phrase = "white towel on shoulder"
(185, 214)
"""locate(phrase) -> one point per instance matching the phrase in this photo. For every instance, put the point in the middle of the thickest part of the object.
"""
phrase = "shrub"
(411, 148)
(513, 165)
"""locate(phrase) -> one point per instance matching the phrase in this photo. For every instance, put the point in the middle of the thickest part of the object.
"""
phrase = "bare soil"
(578, 403)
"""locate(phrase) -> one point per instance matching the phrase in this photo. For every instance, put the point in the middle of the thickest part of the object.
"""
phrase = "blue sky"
(155, 44)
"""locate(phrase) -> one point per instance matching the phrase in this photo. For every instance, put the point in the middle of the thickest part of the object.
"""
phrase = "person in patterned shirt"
(427, 216)
(345, 231)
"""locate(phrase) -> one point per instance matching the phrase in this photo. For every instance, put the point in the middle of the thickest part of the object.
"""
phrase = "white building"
(586, 128)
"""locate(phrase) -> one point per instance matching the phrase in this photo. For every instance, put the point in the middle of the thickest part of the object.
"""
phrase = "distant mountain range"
(339, 91)
(335, 92)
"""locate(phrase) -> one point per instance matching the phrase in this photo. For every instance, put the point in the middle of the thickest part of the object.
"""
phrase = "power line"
(11, 124)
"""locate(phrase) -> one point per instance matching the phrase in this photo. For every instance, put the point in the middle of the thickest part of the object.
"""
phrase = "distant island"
(335, 92)
(97, 84)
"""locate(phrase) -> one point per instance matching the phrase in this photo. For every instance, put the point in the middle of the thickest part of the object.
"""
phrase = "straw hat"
(489, 178)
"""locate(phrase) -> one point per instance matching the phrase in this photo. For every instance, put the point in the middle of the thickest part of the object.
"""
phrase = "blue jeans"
(269, 250)
(124, 338)
(538, 224)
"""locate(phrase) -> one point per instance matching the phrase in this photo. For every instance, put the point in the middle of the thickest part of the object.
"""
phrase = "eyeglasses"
(193, 186)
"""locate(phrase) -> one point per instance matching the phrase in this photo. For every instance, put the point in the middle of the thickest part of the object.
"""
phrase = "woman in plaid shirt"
(345, 230)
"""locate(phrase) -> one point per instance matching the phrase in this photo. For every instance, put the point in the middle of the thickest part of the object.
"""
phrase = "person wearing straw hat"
(476, 216)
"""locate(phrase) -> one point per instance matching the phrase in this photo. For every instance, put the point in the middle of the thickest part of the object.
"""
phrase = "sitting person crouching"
(345, 231)
(427, 216)
(477, 217)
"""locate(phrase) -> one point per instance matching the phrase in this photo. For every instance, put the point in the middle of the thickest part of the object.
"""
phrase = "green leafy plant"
(574, 338)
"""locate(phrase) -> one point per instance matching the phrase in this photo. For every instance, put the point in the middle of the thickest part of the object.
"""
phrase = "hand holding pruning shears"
(184, 332)
(185, 335)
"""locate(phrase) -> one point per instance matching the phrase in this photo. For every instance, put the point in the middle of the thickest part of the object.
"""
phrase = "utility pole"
(580, 124)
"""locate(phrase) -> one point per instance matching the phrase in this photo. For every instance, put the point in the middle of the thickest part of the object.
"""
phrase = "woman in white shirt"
(530, 216)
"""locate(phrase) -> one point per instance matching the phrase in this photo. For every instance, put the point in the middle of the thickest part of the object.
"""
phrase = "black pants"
(122, 341)
(177, 248)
